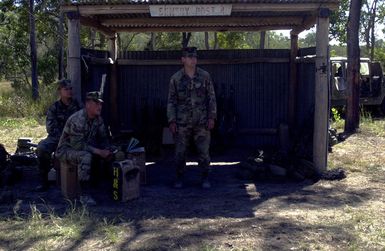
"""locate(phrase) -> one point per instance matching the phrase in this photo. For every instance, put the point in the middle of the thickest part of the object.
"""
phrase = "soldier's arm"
(52, 122)
(172, 102)
(212, 103)
(64, 140)
(104, 138)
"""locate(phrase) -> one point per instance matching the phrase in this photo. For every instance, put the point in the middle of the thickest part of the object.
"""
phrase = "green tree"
(14, 41)
(338, 21)
(372, 13)
(309, 40)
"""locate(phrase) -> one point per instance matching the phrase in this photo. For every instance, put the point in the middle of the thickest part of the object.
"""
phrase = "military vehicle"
(372, 84)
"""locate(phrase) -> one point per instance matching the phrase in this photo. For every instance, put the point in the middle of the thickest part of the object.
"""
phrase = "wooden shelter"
(113, 16)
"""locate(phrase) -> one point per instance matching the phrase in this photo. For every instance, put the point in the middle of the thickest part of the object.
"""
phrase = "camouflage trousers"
(201, 138)
(81, 159)
(44, 150)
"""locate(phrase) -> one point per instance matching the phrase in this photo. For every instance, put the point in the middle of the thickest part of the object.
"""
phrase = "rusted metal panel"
(252, 98)
(305, 97)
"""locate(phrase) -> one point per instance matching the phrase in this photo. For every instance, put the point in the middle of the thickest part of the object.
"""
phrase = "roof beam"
(95, 24)
(209, 21)
(306, 24)
(203, 28)
(106, 9)
(285, 7)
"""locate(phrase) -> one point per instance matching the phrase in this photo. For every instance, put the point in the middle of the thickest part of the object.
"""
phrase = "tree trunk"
(102, 44)
(61, 47)
(373, 22)
(32, 43)
(93, 38)
(152, 43)
(262, 40)
(353, 74)
(207, 40)
(119, 41)
(185, 39)
(216, 45)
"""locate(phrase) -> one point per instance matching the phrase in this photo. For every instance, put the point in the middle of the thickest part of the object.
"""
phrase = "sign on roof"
(190, 10)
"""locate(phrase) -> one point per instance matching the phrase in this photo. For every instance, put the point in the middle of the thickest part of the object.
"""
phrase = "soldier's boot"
(44, 167)
(44, 183)
(180, 168)
(85, 198)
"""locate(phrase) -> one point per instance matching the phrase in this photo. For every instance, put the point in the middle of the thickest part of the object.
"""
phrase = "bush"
(19, 103)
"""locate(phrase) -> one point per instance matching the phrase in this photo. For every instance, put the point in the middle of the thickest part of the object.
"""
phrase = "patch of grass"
(5, 87)
(13, 128)
(19, 103)
(111, 232)
(373, 127)
(368, 228)
(51, 232)
(368, 125)
(13, 123)
(337, 122)
(43, 232)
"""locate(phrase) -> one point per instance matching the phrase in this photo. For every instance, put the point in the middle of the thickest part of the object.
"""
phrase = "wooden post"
(293, 81)
(321, 105)
(73, 57)
(113, 99)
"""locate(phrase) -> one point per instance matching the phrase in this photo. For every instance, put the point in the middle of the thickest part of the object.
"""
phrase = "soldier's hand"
(172, 127)
(210, 124)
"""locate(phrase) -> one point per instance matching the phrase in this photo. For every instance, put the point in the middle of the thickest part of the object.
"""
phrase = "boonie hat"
(189, 52)
(64, 83)
(95, 96)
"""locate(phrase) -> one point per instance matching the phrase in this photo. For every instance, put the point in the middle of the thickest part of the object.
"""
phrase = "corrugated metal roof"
(111, 16)
(104, 2)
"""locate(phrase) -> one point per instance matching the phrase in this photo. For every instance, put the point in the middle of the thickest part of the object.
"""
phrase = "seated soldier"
(85, 135)
(57, 115)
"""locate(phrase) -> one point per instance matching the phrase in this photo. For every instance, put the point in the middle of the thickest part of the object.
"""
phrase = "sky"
(379, 33)
(286, 33)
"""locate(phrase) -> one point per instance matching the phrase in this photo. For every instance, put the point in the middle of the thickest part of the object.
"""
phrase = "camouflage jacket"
(83, 134)
(191, 101)
(57, 115)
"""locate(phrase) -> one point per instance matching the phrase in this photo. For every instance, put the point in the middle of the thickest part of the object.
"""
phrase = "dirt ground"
(234, 214)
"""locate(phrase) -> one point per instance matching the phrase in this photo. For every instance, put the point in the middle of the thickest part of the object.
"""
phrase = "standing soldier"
(85, 135)
(57, 115)
(191, 112)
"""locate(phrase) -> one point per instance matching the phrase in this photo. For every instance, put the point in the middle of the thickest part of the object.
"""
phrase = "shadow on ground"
(171, 218)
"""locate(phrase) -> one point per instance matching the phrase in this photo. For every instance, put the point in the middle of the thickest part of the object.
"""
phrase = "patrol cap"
(64, 83)
(189, 52)
(95, 96)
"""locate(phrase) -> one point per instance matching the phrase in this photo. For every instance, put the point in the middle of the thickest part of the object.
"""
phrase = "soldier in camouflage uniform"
(57, 115)
(85, 135)
(191, 112)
